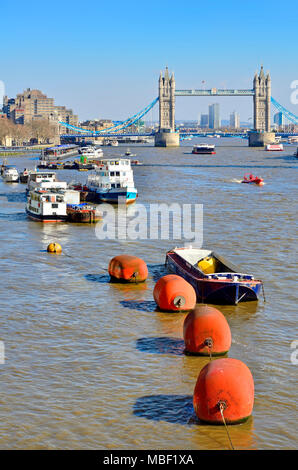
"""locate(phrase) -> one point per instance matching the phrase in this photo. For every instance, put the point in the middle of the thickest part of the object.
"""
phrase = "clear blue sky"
(103, 59)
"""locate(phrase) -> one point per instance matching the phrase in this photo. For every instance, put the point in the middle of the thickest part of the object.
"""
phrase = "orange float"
(206, 331)
(127, 268)
(224, 384)
(54, 248)
(172, 293)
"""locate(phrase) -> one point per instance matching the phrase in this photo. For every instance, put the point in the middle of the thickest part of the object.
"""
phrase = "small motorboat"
(250, 178)
(214, 279)
(135, 162)
(128, 154)
(83, 213)
(274, 147)
(24, 175)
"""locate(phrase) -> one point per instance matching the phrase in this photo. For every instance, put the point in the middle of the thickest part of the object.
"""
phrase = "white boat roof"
(192, 255)
(204, 145)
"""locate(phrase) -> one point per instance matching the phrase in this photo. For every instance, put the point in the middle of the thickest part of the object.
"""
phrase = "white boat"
(293, 139)
(113, 179)
(274, 147)
(10, 174)
(204, 149)
(114, 143)
(36, 178)
(92, 152)
(46, 206)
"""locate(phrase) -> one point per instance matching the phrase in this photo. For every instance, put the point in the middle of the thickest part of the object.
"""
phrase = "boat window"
(111, 163)
(116, 163)
(112, 173)
(118, 185)
(113, 185)
(117, 173)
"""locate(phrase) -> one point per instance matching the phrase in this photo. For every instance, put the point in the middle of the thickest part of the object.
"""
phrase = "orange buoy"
(224, 386)
(126, 268)
(206, 331)
(172, 293)
(54, 248)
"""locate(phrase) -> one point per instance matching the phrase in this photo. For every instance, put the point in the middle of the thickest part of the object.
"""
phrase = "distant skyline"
(104, 60)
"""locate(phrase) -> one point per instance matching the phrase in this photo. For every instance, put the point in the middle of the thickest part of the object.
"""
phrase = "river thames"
(94, 365)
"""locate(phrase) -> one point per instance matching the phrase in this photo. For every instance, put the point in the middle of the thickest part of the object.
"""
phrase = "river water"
(91, 364)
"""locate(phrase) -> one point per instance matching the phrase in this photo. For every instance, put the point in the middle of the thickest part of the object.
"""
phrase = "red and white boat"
(250, 178)
(274, 147)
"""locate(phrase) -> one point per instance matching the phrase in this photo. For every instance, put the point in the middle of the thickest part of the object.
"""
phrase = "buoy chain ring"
(222, 405)
(179, 301)
(208, 342)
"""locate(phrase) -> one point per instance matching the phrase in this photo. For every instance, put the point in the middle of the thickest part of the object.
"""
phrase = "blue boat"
(214, 279)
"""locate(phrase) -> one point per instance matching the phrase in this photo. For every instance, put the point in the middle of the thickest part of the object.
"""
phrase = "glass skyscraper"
(214, 119)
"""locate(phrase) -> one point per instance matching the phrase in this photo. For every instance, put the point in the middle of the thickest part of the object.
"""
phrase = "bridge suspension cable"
(290, 116)
(123, 125)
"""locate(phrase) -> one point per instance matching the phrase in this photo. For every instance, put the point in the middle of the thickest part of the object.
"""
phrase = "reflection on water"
(162, 345)
(94, 364)
(176, 409)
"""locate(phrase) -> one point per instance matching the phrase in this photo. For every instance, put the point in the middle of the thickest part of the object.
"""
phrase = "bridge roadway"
(214, 92)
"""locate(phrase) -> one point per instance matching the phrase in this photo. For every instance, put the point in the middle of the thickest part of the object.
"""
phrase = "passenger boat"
(293, 139)
(204, 149)
(213, 278)
(10, 174)
(274, 147)
(135, 162)
(58, 151)
(83, 213)
(46, 206)
(250, 178)
(113, 179)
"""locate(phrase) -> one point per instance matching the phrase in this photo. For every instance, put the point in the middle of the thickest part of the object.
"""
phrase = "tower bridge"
(166, 136)
(261, 93)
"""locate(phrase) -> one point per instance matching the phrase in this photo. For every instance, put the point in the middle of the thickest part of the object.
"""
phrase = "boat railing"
(234, 276)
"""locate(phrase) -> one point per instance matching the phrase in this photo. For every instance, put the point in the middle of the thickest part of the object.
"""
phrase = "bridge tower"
(262, 101)
(166, 135)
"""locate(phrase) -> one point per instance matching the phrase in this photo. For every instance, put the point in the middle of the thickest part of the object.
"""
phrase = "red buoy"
(172, 293)
(127, 268)
(206, 331)
(224, 385)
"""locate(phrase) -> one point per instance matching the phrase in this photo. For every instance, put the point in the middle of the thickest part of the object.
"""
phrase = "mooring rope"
(222, 407)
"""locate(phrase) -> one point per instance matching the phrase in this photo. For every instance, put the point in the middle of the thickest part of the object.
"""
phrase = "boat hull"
(211, 290)
(46, 218)
(112, 197)
(87, 216)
